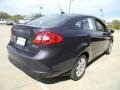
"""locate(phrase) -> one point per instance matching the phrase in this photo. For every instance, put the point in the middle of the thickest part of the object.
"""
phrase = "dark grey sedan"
(58, 45)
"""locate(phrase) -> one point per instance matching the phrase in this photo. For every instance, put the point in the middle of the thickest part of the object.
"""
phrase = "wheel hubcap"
(81, 67)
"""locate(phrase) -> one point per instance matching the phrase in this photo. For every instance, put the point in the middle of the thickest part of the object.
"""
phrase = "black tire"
(108, 51)
(73, 75)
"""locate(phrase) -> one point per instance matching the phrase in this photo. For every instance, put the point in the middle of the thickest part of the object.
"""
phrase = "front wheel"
(108, 51)
(78, 69)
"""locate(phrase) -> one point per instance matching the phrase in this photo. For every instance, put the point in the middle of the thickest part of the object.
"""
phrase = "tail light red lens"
(47, 38)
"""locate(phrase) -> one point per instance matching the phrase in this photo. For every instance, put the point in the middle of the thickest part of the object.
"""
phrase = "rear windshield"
(48, 21)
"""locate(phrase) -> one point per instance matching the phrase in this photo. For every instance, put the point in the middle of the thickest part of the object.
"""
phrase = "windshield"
(48, 21)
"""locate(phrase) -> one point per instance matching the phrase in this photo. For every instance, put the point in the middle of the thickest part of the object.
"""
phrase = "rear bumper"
(37, 66)
(33, 73)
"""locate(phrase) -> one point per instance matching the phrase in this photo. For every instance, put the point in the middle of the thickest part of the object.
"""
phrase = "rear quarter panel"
(73, 45)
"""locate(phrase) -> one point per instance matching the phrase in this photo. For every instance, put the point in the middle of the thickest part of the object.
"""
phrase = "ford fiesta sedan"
(54, 45)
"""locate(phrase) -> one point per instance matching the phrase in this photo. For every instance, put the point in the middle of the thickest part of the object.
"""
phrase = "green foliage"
(16, 18)
(115, 24)
(4, 15)
(37, 15)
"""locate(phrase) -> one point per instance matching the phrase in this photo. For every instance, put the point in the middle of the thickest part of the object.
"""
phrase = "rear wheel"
(78, 69)
(108, 51)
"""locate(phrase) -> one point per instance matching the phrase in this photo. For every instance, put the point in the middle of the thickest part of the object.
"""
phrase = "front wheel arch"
(83, 53)
(109, 47)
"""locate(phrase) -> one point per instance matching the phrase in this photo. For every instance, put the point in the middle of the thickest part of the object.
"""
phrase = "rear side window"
(76, 25)
(89, 24)
(48, 21)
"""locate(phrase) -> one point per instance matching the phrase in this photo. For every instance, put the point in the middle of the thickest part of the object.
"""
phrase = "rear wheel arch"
(86, 54)
(79, 68)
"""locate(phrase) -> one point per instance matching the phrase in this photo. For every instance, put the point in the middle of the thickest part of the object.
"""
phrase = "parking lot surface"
(102, 74)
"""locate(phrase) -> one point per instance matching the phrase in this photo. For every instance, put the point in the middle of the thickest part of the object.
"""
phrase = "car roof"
(75, 15)
(79, 15)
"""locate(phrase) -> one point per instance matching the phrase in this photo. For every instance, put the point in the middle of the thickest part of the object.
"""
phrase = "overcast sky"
(111, 8)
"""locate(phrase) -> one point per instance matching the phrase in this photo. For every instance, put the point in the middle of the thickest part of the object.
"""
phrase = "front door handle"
(105, 33)
(89, 35)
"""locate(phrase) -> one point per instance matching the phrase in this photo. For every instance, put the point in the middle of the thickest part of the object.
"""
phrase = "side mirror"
(112, 31)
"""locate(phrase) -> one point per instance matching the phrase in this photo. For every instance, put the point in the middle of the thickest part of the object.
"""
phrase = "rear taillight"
(47, 38)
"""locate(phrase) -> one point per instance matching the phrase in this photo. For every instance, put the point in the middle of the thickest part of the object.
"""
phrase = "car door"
(89, 27)
(101, 30)
(97, 40)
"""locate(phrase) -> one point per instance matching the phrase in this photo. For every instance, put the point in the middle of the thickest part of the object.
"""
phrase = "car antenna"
(62, 12)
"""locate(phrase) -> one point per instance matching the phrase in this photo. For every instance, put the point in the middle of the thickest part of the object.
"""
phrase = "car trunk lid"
(22, 38)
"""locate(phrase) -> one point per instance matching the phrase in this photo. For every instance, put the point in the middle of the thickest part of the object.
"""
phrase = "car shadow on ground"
(54, 80)
(60, 79)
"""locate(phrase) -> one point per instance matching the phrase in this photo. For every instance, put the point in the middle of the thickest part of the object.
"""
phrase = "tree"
(4, 15)
(115, 24)
(37, 15)
(16, 18)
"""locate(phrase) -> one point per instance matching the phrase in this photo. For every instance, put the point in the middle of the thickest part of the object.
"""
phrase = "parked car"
(24, 21)
(10, 22)
(2, 21)
(58, 45)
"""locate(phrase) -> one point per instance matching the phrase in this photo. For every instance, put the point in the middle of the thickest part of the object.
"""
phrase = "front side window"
(88, 24)
(100, 26)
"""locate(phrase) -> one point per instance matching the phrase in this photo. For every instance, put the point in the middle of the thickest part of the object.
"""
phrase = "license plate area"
(21, 41)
